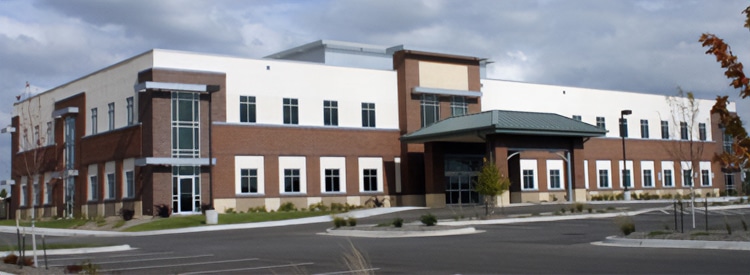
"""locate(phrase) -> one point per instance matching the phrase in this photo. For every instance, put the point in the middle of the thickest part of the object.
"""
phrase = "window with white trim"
(683, 131)
(48, 193)
(248, 181)
(130, 110)
(554, 179)
(529, 174)
(648, 180)
(555, 174)
(292, 181)
(430, 109)
(291, 111)
(333, 174)
(250, 177)
(604, 177)
(668, 182)
(330, 113)
(644, 128)
(687, 177)
(459, 106)
(129, 184)
(664, 129)
(705, 178)
(332, 180)
(110, 186)
(93, 188)
(600, 122)
(370, 174)
(292, 175)
(94, 120)
(111, 115)
(702, 131)
(667, 177)
(368, 114)
(247, 109)
(23, 186)
(370, 180)
(528, 179)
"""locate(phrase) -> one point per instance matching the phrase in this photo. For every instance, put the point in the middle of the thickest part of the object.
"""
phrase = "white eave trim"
(168, 86)
(64, 111)
(437, 91)
(175, 161)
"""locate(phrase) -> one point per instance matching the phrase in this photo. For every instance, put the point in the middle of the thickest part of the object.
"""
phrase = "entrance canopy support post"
(570, 177)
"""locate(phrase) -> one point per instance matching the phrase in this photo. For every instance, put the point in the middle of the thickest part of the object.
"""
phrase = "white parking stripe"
(244, 269)
(175, 265)
(349, 271)
(150, 259)
(114, 256)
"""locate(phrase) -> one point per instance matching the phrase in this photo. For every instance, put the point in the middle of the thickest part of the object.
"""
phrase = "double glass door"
(461, 173)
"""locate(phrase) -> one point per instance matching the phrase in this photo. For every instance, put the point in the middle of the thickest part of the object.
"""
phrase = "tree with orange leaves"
(739, 156)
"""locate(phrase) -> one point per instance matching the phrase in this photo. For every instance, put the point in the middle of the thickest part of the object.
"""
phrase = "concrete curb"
(400, 234)
(71, 251)
(690, 244)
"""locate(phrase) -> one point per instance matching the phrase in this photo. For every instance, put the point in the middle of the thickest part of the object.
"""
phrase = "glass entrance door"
(461, 173)
(186, 190)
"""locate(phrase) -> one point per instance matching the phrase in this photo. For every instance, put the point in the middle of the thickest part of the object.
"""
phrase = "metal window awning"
(170, 86)
(64, 111)
(175, 161)
(437, 91)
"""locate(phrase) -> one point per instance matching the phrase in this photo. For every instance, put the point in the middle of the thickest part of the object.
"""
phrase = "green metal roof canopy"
(475, 127)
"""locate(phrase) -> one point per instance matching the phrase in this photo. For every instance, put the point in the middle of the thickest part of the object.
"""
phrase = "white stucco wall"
(272, 80)
(592, 103)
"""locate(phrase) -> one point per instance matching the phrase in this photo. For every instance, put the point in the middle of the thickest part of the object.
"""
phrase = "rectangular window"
(729, 181)
(247, 109)
(332, 180)
(727, 143)
(668, 178)
(94, 120)
(50, 134)
(48, 193)
(291, 111)
(687, 177)
(249, 181)
(683, 131)
(130, 110)
(626, 178)
(600, 122)
(577, 117)
(554, 179)
(370, 179)
(291, 180)
(644, 128)
(35, 190)
(664, 129)
(111, 186)
(129, 184)
(93, 188)
(603, 178)
(330, 113)
(111, 115)
(705, 178)
(22, 202)
(459, 106)
(36, 141)
(430, 109)
(368, 114)
(623, 127)
(647, 178)
(702, 131)
(528, 179)
(185, 125)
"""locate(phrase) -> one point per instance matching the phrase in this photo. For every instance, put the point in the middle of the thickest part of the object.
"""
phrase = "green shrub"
(589, 209)
(626, 224)
(398, 222)
(352, 221)
(339, 222)
(318, 207)
(229, 211)
(620, 196)
(579, 206)
(287, 207)
(259, 209)
(428, 219)
(562, 210)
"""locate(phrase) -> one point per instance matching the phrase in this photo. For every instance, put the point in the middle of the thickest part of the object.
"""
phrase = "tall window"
(94, 120)
(626, 178)
(430, 109)
(249, 181)
(111, 186)
(459, 106)
(129, 184)
(36, 141)
(291, 111)
(623, 127)
(332, 180)
(577, 117)
(705, 178)
(130, 110)
(668, 178)
(554, 179)
(727, 143)
(368, 114)
(603, 178)
(185, 125)
(111, 115)
(683, 131)
(247, 109)
(35, 190)
(370, 179)
(647, 178)
(48, 193)
(600, 122)
(687, 177)
(528, 179)
(702, 131)
(664, 129)
(22, 202)
(291, 180)
(93, 188)
(729, 181)
(330, 113)
(50, 134)
(644, 128)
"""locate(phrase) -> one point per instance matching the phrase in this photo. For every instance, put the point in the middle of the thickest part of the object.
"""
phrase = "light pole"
(623, 133)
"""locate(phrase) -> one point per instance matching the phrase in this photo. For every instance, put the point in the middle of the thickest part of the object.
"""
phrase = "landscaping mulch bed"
(712, 235)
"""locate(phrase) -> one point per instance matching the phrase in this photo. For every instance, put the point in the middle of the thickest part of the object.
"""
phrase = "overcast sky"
(640, 46)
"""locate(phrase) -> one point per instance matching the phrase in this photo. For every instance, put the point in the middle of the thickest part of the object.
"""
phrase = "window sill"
(371, 192)
(250, 195)
(293, 194)
(334, 193)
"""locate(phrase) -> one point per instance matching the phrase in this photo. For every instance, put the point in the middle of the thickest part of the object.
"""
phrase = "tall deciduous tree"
(739, 156)
(490, 184)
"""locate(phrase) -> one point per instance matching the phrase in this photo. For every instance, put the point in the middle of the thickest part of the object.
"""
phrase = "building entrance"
(461, 173)
(186, 189)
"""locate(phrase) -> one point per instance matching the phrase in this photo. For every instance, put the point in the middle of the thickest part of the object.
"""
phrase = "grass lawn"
(198, 220)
